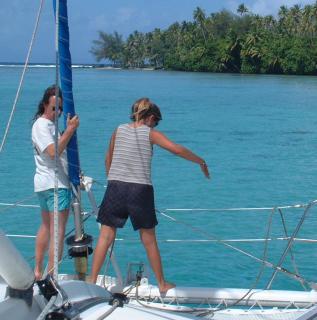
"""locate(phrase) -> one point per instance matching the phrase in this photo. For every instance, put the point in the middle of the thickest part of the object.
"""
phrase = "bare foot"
(89, 279)
(166, 286)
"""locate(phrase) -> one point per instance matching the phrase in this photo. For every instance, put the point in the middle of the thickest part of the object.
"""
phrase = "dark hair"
(143, 108)
(49, 92)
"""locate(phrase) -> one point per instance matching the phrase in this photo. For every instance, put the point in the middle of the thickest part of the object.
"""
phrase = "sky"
(87, 17)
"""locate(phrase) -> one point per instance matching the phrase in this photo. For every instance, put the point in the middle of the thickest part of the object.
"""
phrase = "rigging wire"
(202, 312)
(290, 243)
(295, 206)
(258, 277)
(66, 235)
(190, 240)
(291, 251)
(267, 263)
(177, 209)
(108, 263)
(18, 204)
(22, 76)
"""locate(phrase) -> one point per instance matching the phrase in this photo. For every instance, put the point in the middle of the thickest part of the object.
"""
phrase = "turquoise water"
(257, 133)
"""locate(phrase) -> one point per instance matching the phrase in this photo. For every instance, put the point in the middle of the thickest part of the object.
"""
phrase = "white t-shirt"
(42, 136)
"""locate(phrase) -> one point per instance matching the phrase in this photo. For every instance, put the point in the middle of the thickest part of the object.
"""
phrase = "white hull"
(215, 296)
(265, 298)
(144, 308)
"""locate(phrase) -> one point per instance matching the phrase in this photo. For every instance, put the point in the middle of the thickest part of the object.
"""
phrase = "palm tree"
(135, 50)
(200, 19)
(155, 48)
(309, 21)
(242, 9)
(251, 53)
(282, 15)
(269, 22)
(108, 47)
(295, 17)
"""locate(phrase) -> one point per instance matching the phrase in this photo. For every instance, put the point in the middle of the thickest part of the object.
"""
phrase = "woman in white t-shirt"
(43, 131)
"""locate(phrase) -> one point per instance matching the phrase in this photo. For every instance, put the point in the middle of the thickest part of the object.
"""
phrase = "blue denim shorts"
(46, 199)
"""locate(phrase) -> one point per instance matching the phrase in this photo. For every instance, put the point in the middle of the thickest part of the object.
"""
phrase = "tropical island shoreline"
(221, 42)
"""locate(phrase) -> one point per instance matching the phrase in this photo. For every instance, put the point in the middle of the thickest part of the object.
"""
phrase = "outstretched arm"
(161, 140)
(109, 153)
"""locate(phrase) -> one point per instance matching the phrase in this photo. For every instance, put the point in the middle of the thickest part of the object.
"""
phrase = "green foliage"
(222, 42)
(108, 47)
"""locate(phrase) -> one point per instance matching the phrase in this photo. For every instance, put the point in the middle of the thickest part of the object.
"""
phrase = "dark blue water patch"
(270, 119)
(262, 156)
(245, 133)
(172, 131)
(180, 112)
(208, 131)
(298, 132)
(252, 168)
(293, 143)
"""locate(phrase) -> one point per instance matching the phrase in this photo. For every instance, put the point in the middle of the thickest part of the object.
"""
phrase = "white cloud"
(98, 22)
(125, 14)
(131, 19)
(265, 7)
(124, 20)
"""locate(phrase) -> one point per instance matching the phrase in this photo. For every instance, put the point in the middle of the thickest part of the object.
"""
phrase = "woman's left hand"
(204, 169)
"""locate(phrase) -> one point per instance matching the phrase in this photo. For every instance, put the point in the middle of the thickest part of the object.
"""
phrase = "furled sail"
(65, 62)
(80, 243)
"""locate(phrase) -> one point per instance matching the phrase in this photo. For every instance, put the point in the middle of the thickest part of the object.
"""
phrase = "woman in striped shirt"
(130, 192)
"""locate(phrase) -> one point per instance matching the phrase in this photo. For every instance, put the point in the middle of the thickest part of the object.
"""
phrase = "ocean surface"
(258, 135)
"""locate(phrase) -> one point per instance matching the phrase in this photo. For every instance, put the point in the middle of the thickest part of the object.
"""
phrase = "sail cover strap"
(65, 62)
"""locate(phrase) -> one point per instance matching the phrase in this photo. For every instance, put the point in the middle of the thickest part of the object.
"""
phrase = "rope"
(46, 272)
(22, 77)
(56, 156)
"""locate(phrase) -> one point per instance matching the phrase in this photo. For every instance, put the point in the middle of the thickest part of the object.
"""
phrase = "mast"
(80, 243)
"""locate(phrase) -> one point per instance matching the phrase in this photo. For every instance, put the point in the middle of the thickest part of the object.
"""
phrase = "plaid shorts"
(126, 199)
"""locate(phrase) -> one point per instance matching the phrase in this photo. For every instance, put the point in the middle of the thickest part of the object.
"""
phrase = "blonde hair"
(144, 107)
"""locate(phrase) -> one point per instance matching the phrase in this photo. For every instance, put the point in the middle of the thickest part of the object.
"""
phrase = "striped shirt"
(132, 155)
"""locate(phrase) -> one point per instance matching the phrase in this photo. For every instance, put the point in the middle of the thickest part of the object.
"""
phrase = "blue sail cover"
(65, 62)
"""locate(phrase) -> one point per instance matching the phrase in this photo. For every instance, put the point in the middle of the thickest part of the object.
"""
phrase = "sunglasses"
(156, 122)
(60, 108)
